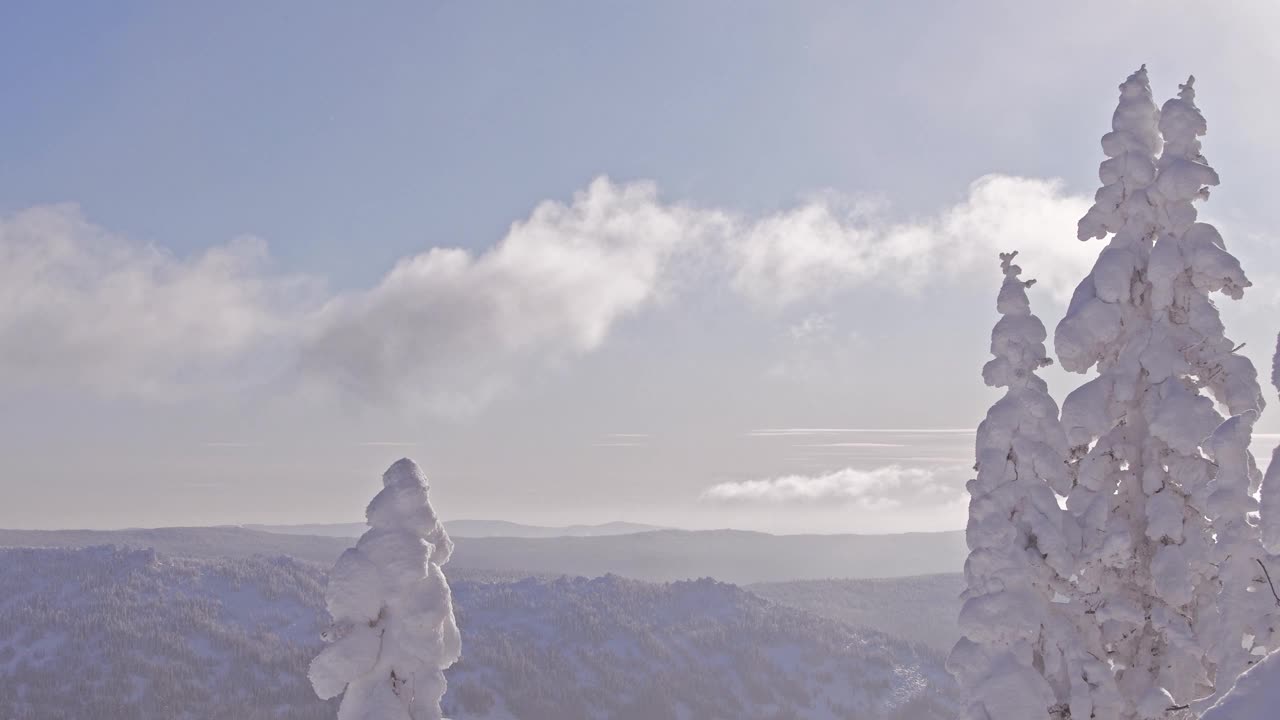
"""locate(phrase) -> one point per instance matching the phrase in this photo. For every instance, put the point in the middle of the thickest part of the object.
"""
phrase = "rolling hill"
(134, 634)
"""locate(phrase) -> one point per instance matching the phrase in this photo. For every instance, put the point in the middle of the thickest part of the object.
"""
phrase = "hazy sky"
(704, 264)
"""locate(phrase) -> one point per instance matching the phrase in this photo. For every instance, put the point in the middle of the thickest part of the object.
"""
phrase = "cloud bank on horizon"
(881, 488)
(446, 330)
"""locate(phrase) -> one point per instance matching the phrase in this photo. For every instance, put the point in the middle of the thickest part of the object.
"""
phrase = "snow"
(393, 629)
(1255, 695)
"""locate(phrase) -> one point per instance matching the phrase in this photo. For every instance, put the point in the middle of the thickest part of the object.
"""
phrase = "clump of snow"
(393, 629)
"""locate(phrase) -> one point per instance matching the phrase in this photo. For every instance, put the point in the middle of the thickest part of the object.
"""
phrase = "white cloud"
(785, 432)
(833, 244)
(816, 327)
(884, 487)
(852, 445)
(80, 306)
(448, 330)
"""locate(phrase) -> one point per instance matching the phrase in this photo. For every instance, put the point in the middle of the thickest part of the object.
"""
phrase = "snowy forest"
(339, 380)
(1119, 548)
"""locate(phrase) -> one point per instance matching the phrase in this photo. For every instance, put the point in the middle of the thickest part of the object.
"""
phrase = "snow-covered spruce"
(1162, 481)
(393, 629)
(1016, 661)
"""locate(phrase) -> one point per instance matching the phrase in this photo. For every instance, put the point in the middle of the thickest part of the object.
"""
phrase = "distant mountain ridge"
(470, 528)
(734, 556)
(138, 635)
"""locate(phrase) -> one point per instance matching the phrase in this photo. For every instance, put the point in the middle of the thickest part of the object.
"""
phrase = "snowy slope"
(108, 633)
(921, 609)
(698, 650)
(111, 633)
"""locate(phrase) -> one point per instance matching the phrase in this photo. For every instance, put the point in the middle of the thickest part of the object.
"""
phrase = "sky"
(695, 264)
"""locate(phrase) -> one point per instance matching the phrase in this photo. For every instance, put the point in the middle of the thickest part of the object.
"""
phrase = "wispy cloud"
(202, 485)
(824, 459)
(834, 243)
(448, 330)
(787, 432)
(884, 487)
(82, 307)
(852, 445)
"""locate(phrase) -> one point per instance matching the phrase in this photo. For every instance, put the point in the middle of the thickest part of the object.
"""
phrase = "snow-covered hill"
(108, 633)
(921, 609)
(698, 650)
(114, 633)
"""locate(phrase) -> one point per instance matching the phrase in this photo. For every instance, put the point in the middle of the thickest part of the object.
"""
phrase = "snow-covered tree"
(393, 629)
(1255, 694)
(1162, 481)
(1020, 657)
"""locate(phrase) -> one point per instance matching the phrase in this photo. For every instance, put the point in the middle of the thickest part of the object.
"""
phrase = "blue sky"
(323, 126)
(348, 138)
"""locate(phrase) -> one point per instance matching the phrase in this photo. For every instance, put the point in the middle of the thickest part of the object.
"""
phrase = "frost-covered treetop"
(1017, 341)
(1184, 174)
(1130, 147)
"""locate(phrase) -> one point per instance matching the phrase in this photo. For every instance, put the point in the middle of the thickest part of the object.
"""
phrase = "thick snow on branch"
(1163, 482)
(393, 628)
